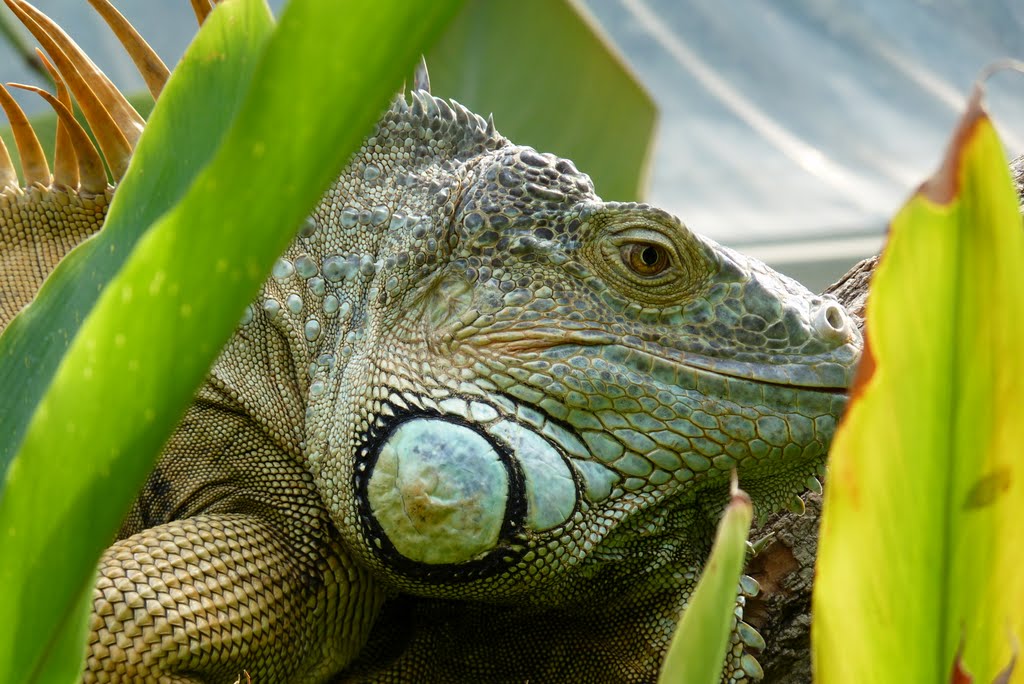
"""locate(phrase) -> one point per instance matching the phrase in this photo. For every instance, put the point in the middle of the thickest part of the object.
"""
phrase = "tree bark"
(785, 567)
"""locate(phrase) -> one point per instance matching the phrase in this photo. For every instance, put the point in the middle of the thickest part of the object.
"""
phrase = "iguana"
(477, 426)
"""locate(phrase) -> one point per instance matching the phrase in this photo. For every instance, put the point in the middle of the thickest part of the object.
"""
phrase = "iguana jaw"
(819, 375)
(830, 371)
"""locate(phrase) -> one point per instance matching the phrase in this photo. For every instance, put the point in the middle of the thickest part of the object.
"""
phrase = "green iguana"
(478, 426)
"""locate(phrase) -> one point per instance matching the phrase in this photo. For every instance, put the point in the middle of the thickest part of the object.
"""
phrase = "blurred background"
(787, 129)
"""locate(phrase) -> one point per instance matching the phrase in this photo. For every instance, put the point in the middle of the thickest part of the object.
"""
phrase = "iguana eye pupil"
(645, 259)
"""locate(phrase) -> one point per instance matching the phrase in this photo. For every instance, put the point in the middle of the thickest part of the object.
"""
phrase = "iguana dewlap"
(477, 427)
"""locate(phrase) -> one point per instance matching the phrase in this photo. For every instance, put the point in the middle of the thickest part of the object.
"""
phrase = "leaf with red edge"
(918, 576)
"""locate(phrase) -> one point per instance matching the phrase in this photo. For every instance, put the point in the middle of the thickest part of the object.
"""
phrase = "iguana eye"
(645, 258)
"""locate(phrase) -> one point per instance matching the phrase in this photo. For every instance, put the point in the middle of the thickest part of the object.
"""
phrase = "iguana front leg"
(227, 563)
(209, 597)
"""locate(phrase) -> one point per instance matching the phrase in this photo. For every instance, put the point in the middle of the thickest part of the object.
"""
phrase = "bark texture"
(785, 566)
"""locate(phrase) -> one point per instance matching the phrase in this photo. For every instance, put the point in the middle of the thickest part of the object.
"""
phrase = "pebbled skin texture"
(38, 226)
(478, 426)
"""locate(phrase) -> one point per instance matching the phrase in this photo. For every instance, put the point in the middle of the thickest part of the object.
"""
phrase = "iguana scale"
(477, 426)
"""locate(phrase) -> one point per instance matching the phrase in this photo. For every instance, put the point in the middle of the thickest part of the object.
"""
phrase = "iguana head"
(509, 376)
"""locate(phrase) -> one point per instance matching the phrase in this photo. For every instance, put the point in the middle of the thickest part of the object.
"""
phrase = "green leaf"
(920, 552)
(322, 80)
(181, 136)
(57, 505)
(701, 641)
(489, 59)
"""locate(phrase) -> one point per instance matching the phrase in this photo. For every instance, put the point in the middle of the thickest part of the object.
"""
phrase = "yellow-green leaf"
(697, 652)
(920, 555)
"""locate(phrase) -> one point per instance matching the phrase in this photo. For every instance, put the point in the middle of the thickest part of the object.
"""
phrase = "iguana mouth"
(825, 374)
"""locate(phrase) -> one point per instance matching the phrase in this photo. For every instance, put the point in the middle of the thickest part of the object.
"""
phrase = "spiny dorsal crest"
(54, 202)
(55, 211)
(468, 134)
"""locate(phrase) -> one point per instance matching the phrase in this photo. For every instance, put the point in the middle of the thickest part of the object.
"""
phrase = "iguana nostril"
(831, 322)
(834, 316)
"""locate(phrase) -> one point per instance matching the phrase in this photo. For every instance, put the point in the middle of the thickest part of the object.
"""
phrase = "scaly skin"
(38, 226)
(478, 426)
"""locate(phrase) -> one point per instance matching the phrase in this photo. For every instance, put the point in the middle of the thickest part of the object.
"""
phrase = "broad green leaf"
(56, 507)
(544, 69)
(323, 78)
(701, 641)
(181, 136)
(920, 551)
